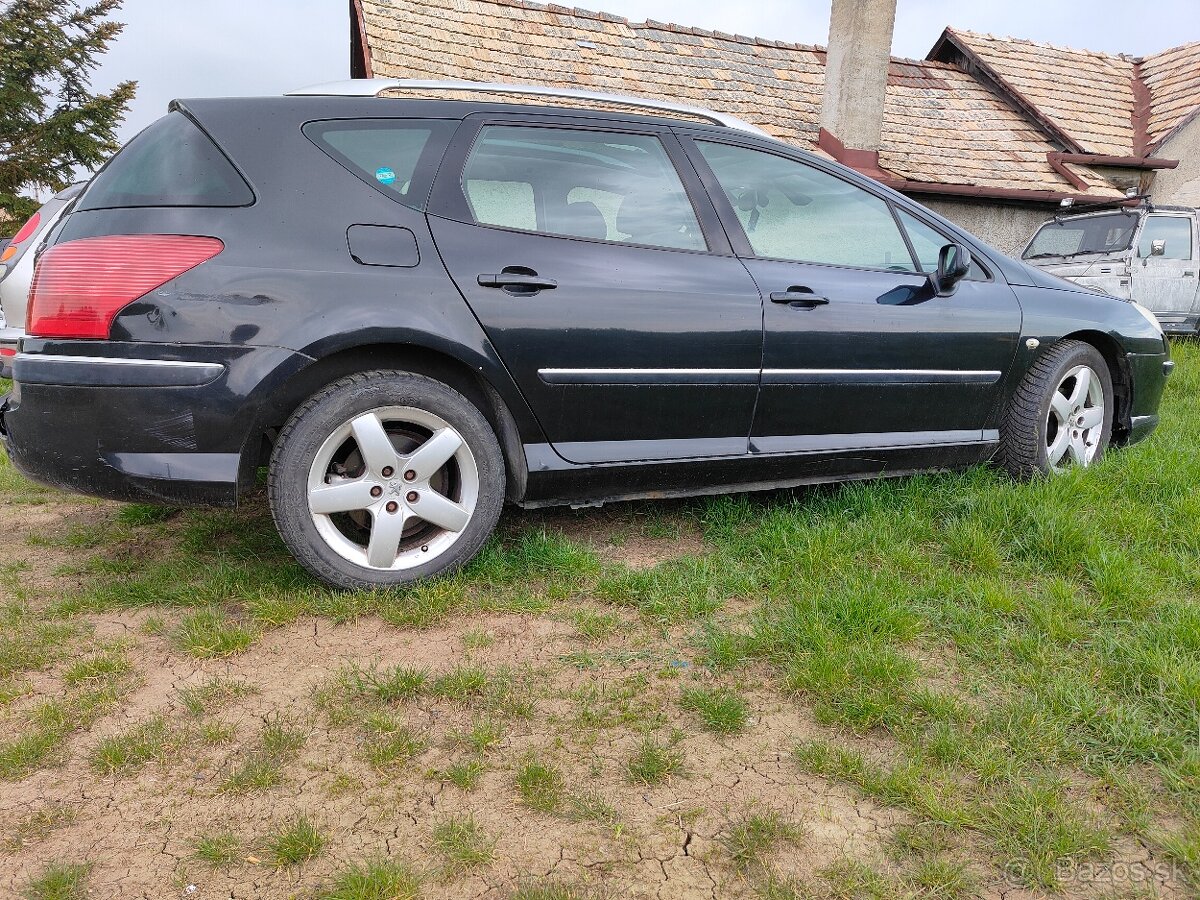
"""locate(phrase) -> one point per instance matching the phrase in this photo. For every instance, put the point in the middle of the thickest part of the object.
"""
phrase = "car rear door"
(599, 271)
(859, 352)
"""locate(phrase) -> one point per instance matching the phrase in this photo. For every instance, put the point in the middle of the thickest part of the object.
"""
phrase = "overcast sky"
(198, 48)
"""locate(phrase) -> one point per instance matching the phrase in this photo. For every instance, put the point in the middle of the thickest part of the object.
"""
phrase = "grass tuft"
(223, 849)
(756, 836)
(59, 881)
(462, 843)
(211, 633)
(377, 879)
(540, 786)
(654, 762)
(127, 752)
(720, 710)
(299, 841)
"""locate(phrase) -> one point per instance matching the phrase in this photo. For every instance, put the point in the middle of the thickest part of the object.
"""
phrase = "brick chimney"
(856, 71)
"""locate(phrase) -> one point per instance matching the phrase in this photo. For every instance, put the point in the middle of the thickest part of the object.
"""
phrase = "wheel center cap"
(396, 488)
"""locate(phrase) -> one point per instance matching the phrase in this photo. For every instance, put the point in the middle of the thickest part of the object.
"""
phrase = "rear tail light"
(80, 286)
(27, 231)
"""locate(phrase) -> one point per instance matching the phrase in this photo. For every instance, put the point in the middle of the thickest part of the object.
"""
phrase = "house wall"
(1006, 226)
(1180, 186)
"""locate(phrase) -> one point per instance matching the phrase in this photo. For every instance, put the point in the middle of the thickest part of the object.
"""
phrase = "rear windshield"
(1090, 234)
(171, 163)
(395, 156)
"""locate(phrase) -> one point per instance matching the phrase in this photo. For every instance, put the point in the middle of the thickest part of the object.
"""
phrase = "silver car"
(1149, 254)
(16, 272)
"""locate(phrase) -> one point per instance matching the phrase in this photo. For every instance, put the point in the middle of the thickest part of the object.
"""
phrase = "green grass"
(262, 768)
(1016, 662)
(540, 786)
(59, 881)
(391, 743)
(221, 849)
(297, 842)
(128, 751)
(37, 826)
(377, 879)
(555, 890)
(654, 762)
(719, 710)
(462, 843)
(211, 633)
(105, 666)
(214, 693)
(393, 685)
(464, 774)
(756, 836)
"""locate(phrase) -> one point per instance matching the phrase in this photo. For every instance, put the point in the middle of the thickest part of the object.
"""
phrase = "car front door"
(859, 352)
(1165, 282)
(604, 281)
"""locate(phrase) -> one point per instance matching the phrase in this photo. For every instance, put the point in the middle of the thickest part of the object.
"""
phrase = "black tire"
(321, 416)
(1026, 426)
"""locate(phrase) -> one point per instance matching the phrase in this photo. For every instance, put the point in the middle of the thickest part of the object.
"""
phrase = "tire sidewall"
(1081, 355)
(328, 410)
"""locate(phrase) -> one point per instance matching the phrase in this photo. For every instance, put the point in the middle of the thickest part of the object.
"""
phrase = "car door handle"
(523, 281)
(797, 296)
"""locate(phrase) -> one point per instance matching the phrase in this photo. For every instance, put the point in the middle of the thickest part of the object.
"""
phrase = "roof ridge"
(1044, 44)
(1124, 57)
(654, 25)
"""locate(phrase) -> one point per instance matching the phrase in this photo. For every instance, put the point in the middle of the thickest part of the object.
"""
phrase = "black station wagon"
(413, 310)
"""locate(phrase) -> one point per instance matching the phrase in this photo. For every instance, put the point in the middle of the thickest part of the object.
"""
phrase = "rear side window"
(395, 156)
(171, 163)
(599, 185)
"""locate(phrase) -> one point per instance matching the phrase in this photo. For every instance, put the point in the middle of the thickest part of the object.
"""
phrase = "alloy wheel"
(393, 488)
(1075, 421)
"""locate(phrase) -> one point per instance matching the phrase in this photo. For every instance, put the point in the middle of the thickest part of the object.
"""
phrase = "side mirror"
(1158, 248)
(954, 262)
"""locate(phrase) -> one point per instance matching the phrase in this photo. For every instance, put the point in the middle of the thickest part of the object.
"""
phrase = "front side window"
(396, 156)
(584, 184)
(1108, 233)
(1174, 231)
(927, 244)
(795, 212)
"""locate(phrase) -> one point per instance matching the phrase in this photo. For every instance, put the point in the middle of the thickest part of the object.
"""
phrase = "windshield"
(1087, 234)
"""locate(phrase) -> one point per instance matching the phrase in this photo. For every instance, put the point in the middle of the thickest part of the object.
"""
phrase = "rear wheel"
(1061, 414)
(385, 478)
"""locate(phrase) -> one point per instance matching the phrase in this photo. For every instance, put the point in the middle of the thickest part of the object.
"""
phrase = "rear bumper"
(10, 342)
(167, 425)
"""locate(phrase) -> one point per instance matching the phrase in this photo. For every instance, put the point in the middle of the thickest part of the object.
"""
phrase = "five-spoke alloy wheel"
(1076, 419)
(384, 478)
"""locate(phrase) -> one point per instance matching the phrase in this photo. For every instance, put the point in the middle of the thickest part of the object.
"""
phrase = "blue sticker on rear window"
(384, 175)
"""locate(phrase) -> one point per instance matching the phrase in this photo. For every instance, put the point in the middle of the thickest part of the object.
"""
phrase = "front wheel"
(1061, 414)
(384, 478)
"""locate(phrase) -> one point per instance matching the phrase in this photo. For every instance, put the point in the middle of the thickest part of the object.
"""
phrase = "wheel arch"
(1122, 378)
(283, 400)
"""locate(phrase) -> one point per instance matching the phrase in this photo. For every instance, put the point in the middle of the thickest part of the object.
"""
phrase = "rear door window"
(171, 163)
(598, 185)
(395, 156)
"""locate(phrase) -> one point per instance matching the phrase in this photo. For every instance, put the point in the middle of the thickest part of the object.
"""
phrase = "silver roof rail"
(373, 87)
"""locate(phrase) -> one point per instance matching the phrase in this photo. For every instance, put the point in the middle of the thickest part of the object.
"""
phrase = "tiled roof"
(1173, 78)
(941, 126)
(1108, 104)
